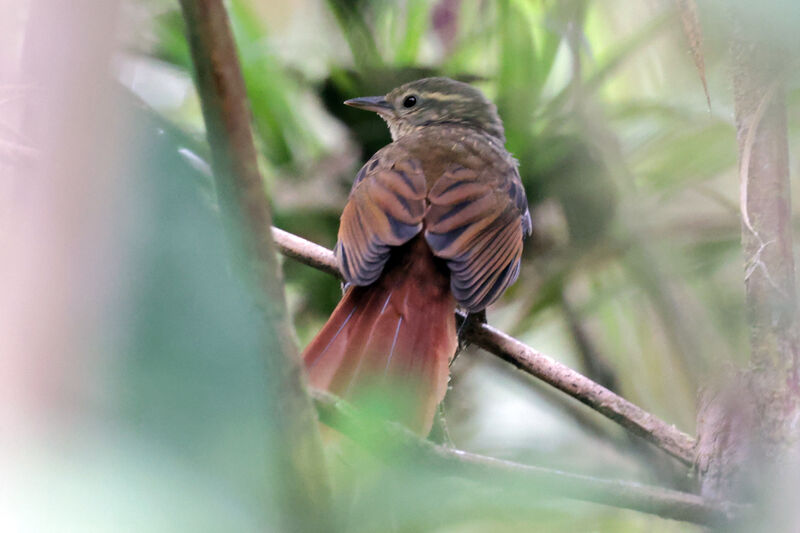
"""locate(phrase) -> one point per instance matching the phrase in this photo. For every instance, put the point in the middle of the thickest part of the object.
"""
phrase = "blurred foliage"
(633, 188)
(184, 438)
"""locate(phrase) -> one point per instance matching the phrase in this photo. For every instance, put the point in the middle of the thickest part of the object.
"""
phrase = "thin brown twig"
(306, 252)
(296, 456)
(666, 503)
(633, 418)
(596, 365)
(598, 368)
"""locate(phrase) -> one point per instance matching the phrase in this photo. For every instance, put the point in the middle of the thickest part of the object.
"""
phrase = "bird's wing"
(476, 221)
(385, 209)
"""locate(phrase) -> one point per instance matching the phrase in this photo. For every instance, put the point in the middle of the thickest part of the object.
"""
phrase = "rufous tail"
(398, 332)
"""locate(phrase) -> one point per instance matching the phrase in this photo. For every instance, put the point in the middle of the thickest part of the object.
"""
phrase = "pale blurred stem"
(631, 417)
(296, 447)
(771, 302)
(567, 406)
(599, 369)
(575, 36)
(622, 443)
(749, 427)
(677, 324)
(357, 33)
(386, 439)
(596, 365)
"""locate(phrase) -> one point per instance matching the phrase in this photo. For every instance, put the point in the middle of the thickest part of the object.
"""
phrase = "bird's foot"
(470, 320)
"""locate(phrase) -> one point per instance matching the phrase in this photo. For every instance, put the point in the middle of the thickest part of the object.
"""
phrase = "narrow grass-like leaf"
(417, 18)
(690, 21)
(517, 73)
(273, 95)
(357, 33)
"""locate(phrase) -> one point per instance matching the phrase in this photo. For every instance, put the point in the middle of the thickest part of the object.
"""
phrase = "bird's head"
(433, 101)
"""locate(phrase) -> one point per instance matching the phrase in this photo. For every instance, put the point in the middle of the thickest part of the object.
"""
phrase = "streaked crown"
(434, 101)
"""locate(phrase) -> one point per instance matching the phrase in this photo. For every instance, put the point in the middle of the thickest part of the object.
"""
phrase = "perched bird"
(434, 219)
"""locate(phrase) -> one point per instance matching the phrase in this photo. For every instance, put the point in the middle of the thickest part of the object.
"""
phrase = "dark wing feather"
(476, 221)
(385, 209)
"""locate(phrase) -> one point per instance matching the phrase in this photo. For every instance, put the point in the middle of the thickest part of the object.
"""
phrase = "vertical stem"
(298, 463)
(748, 427)
(759, 100)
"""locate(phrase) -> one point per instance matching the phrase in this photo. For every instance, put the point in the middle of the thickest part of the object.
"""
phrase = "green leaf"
(417, 18)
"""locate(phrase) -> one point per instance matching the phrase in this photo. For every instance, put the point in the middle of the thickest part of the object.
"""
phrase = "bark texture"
(749, 428)
(774, 377)
(297, 454)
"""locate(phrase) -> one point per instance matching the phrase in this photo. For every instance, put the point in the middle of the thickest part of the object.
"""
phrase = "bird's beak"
(370, 103)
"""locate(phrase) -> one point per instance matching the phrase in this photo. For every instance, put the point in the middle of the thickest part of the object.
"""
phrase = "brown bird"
(434, 219)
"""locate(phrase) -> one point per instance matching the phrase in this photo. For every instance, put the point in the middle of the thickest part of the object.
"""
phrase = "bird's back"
(439, 147)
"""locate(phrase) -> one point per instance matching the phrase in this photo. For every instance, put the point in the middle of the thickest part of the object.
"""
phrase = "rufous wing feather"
(385, 209)
(476, 221)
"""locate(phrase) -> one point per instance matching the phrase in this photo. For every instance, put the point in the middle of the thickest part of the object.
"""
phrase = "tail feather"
(398, 331)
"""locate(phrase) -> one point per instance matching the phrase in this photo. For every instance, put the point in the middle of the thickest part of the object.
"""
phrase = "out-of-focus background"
(131, 384)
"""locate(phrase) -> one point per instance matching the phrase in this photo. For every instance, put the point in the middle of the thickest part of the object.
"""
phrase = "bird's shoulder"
(431, 158)
(439, 149)
(461, 189)
(470, 146)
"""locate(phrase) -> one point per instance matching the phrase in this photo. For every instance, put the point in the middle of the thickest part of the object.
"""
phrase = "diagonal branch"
(633, 418)
(666, 503)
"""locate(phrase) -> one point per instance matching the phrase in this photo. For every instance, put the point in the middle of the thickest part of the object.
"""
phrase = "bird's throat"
(399, 128)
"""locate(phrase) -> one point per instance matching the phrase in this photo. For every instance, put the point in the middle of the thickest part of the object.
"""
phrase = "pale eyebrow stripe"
(445, 97)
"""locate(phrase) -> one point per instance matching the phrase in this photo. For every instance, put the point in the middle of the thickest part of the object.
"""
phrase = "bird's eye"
(410, 101)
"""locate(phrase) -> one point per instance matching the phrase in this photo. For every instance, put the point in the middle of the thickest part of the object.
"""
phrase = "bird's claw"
(470, 320)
